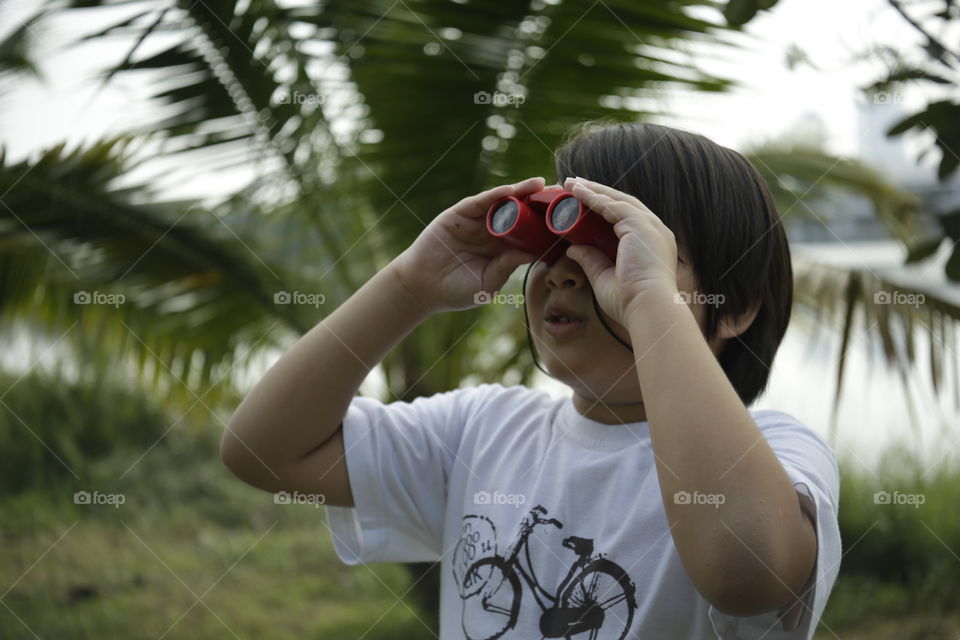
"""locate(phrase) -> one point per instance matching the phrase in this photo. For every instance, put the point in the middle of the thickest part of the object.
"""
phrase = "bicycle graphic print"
(596, 593)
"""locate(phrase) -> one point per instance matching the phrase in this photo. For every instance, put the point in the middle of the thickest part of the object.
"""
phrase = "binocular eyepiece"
(545, 223)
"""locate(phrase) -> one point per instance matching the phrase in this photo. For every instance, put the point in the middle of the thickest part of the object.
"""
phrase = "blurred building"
(849, 218)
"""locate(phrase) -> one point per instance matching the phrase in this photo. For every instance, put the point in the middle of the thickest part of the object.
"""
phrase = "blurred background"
(188, 187)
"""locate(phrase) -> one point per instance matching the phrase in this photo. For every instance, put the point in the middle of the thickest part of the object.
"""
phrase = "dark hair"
(721, 212)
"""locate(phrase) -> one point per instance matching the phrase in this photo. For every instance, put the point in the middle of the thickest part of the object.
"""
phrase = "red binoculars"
(545, 223)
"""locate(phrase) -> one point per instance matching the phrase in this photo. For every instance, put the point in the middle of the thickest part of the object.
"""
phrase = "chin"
(562, 372)
(577, 374)
(588, 380)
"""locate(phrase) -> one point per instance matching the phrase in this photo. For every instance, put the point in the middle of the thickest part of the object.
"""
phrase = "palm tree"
(363, 120)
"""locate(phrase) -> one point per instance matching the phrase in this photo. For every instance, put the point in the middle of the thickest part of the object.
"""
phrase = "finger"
(593, 261)
(598, 187)
(530, 185)
(613, 211)
(476, 205)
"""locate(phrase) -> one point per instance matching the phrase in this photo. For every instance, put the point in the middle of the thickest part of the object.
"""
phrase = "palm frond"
(163, 281)
(891, 305)
(801, 180)
(16, 56)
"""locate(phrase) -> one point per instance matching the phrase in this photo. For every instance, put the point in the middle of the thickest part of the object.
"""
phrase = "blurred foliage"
(900, 559)
(740, 12)
(934, 64)
(52, 429)
(872, 303)
(16, 51)
(115, 271)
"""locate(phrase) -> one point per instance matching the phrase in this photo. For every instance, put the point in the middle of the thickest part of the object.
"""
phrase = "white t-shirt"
(462, 477)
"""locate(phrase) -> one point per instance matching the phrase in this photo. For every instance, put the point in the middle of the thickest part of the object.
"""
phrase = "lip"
(568, 329)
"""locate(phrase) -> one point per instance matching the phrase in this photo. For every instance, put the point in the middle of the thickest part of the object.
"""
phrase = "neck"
(609, 413)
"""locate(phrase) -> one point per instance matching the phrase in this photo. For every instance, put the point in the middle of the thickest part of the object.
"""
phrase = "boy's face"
(582, 354)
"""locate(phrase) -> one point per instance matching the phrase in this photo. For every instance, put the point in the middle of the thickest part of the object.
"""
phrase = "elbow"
(234, 455)
(227, 455)
(245, 460)
(753, 572)
(750, 581)
(744, 597)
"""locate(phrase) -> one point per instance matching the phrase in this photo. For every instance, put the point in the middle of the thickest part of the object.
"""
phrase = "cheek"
(536, 290)
(686, 280)
(687, 283)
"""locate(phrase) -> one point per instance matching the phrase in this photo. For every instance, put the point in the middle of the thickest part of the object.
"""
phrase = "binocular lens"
(565, 213)
(504, 217)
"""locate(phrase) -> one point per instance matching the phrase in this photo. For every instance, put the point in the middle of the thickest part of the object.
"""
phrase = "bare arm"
(275, 436)
(750, 548)
(286, 434)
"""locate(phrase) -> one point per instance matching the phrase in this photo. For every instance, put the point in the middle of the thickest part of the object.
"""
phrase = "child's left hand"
(646, 256)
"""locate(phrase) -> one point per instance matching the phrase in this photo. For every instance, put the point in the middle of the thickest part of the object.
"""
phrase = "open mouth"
(563, 323)
(562, 319)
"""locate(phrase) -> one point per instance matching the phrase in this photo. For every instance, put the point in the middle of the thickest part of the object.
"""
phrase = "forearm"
(707, 444)
(301, 400)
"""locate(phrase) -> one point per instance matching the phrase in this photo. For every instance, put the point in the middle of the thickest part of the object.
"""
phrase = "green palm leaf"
(69, 232)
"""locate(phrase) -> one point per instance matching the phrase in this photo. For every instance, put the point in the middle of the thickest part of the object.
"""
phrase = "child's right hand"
(455, 258)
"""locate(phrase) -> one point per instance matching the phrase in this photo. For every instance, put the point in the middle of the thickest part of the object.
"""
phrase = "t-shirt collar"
(570, 423)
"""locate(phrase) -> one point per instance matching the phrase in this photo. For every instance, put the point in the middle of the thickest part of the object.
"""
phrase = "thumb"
(593, 261)
(500, 268)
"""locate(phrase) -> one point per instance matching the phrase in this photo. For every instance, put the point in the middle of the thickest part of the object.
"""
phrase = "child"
(651, 504)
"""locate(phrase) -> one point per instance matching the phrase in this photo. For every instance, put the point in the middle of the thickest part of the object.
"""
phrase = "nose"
(566, 274)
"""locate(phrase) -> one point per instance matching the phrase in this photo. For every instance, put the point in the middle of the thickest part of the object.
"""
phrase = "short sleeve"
(812, 466)
(398, 456)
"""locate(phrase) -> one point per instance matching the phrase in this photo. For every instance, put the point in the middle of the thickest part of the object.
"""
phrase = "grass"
(192, 553)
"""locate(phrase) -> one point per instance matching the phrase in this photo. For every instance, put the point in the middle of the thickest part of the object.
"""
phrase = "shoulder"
(772, 422)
